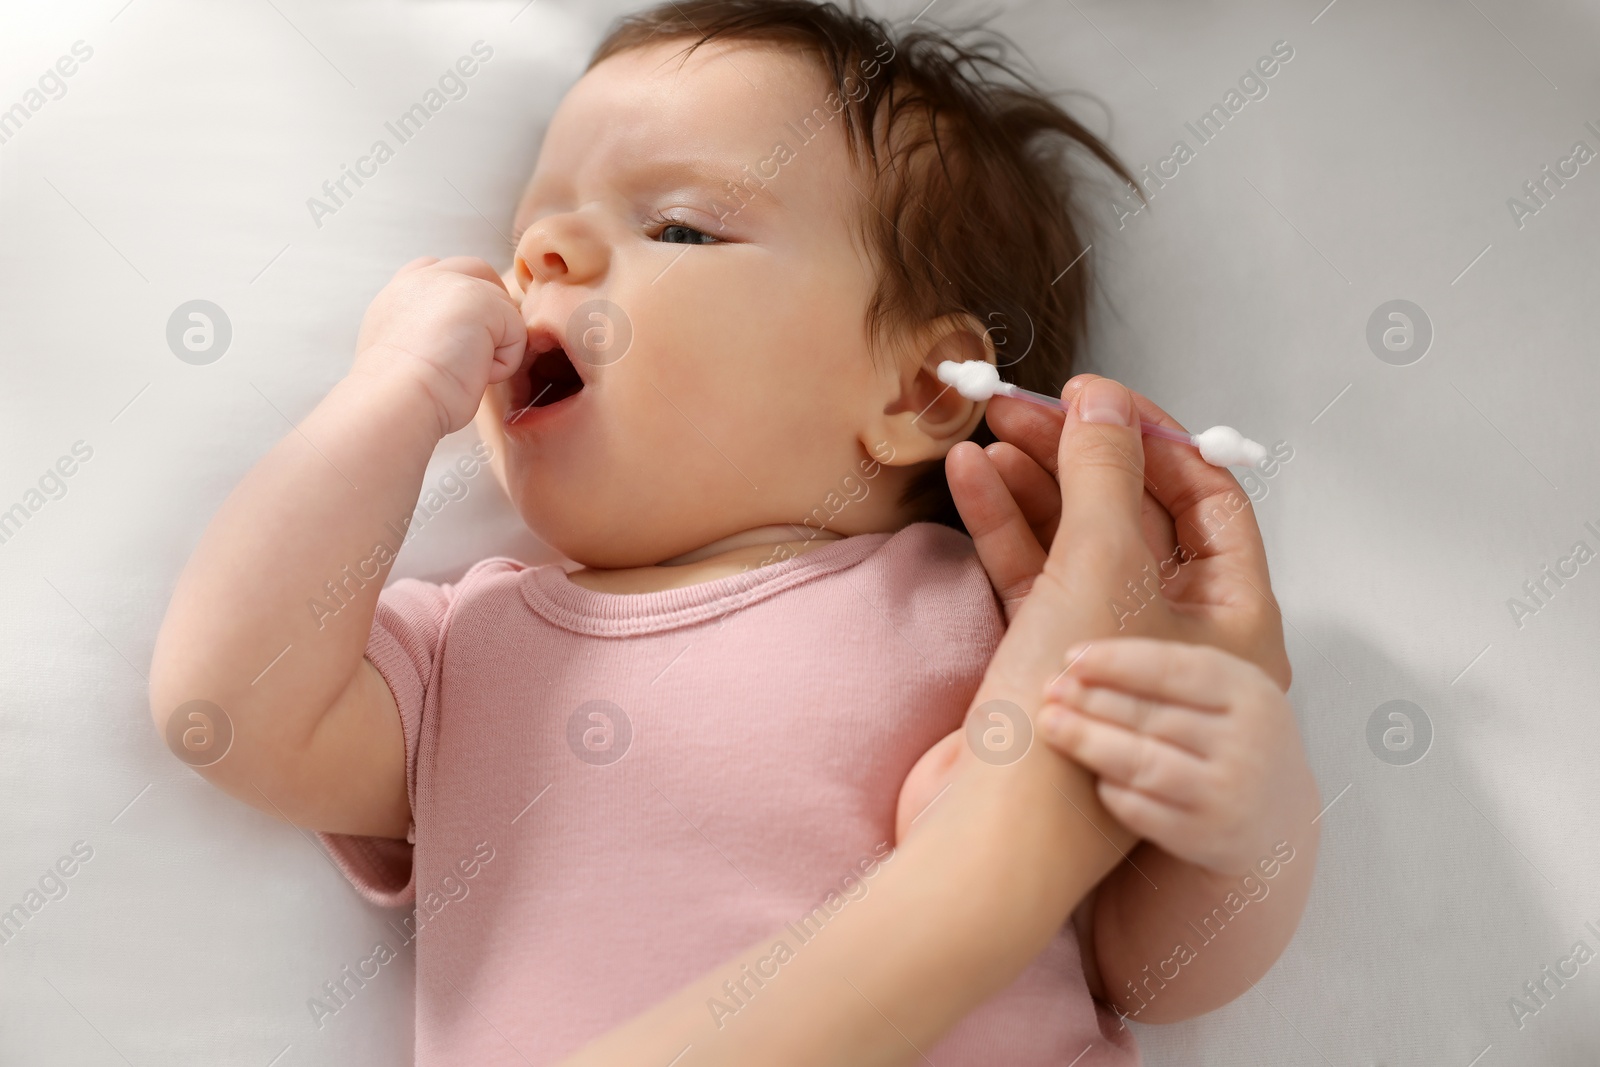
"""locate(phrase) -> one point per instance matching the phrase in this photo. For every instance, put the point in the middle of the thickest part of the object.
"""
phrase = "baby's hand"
(1197, 750)
(448, 326)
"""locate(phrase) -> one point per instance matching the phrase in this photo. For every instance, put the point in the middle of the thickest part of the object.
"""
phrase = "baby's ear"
(924, 417)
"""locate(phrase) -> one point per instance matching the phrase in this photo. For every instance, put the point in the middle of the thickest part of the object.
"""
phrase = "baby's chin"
(617, 537)
(600, 548)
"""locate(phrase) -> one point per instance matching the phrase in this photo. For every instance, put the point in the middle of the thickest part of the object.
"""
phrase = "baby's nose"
(563, 248)
(543, 266)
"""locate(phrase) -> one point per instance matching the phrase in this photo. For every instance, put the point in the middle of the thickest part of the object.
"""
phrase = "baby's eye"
(676, 233)
(685, 235)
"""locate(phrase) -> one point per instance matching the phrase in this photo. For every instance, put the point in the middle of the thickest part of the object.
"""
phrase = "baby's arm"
(1198, 752)
(316, 738)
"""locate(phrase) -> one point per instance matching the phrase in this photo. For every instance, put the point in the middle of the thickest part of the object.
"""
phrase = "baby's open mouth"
(548, 379)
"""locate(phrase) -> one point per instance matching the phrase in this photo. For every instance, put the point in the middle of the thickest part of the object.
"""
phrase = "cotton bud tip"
(1223, 446)
(973, 378)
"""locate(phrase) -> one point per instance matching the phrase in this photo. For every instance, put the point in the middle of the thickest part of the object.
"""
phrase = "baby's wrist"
(402, 400)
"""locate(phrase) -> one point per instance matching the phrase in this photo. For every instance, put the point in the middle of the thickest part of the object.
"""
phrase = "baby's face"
(746, 393)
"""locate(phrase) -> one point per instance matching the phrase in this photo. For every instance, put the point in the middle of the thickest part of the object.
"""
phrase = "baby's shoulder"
(932, 572)
(485, 578)
(933, 556)
(494, 570)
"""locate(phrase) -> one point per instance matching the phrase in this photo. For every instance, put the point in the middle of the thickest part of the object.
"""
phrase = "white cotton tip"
(1223, 446)
(972, 378)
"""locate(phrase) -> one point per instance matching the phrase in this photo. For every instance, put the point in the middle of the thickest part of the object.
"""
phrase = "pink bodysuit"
(612, 794)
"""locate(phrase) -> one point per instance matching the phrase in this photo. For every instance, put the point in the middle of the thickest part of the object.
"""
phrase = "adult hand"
(1196, 564)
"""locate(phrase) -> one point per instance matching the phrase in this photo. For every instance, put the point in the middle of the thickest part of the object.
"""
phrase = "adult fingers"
(1034, 429)
(1031, 486)
(1213, 516)
(1159, 530)
(1160, 534)
(1221, 561)
(1007, 546)
(1035, 432)
(1100, 463)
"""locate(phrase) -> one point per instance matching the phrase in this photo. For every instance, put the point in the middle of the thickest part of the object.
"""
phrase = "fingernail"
(1062, 689)
(1052, 719)
(1072, 654)
(1105, 401)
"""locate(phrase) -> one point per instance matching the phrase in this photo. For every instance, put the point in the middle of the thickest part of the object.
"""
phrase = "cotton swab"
(1220, 446)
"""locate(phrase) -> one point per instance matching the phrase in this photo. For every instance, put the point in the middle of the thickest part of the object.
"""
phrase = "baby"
(753, 232)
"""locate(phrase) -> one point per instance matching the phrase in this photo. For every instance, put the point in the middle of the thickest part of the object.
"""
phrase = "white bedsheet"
(175, 164)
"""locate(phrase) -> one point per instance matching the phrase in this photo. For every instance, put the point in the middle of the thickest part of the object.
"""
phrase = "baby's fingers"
(476, 267)
(1128, 758)
(1194, 729)
(415, 264)
(1198, 676)
(1145, 815)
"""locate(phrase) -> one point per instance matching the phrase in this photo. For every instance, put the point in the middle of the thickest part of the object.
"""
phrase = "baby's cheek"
(490, 430)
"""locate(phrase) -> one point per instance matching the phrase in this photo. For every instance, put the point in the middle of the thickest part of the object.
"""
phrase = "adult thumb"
(1101, 469)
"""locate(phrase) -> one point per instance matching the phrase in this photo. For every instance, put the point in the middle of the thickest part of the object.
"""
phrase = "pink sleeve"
(403, 646)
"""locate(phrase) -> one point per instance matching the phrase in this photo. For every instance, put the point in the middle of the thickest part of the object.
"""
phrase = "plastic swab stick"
(1220, 446)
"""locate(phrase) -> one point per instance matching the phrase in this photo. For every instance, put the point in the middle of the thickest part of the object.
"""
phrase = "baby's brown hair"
(971, 207)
